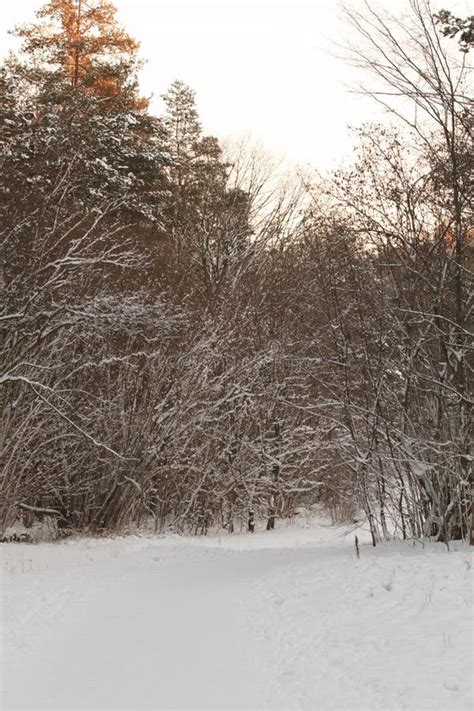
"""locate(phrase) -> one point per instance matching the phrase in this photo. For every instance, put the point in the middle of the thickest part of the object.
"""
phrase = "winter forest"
(236, 390)
(191, 340)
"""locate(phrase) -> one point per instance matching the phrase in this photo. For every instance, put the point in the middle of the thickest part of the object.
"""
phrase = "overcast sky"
(258, 66)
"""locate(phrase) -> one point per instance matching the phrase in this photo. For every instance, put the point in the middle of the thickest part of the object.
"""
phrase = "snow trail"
(231, 623)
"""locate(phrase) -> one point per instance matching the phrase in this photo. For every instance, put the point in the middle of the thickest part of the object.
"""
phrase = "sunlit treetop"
(83, 42)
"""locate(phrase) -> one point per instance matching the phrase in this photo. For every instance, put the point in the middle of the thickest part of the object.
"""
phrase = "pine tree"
(80, 43)
(80, 72)
(181, 121)
(208, 222)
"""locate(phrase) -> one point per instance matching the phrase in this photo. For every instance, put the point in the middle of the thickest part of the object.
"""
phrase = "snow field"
(283, 620)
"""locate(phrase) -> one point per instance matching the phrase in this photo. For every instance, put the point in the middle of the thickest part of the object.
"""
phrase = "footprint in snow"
(451, 686)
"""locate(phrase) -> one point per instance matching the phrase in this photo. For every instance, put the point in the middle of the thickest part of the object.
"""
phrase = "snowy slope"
(284, 620)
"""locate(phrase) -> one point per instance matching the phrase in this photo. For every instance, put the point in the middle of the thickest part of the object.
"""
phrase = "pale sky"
(260, 66)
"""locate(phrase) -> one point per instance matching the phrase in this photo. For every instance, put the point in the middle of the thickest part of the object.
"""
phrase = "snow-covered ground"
(283, 620)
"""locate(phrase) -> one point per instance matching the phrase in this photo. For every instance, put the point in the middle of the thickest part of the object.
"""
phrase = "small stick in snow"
(251, 523)
(356, 542)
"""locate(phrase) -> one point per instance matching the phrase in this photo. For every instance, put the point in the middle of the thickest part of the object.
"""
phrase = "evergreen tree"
(208, 222)
(81, 43)
(80, 73)
(181, 121)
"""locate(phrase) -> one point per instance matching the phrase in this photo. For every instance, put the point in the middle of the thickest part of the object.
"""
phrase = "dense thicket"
(187, 345)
